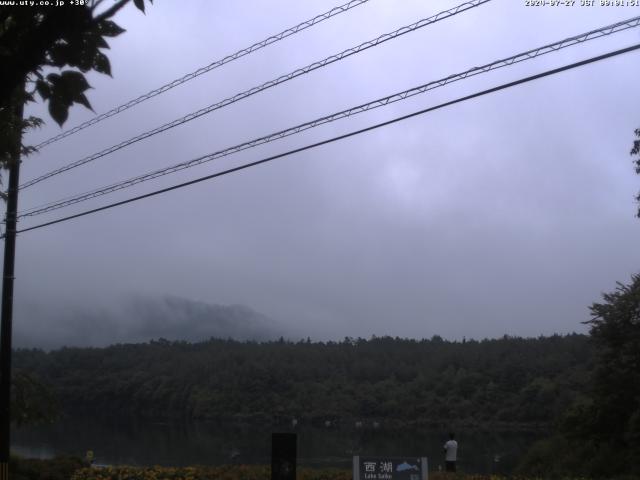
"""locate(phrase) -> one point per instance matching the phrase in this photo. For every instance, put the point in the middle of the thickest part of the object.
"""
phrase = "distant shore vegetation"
(502, 383)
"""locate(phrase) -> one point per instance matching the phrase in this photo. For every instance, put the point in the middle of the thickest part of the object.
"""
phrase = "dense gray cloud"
(508, 214)
(135, 318)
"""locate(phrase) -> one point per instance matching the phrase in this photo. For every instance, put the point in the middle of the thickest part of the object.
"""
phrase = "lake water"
(144, 443)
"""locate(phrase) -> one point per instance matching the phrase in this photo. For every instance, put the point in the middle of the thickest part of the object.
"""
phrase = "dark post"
(7, 294)
(283, 456)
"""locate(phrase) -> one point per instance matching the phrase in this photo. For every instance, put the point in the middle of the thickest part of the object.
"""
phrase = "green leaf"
(43, 89)
(139, 5)
(74, 82)
(58, 111)
(101, 63)
(101, 42)
(32, 122)
(65, 90)
(53, 79)
(82, 99)
(108, 28)
(28, 150)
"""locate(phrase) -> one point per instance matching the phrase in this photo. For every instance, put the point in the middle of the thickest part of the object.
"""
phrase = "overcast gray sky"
(507, 214)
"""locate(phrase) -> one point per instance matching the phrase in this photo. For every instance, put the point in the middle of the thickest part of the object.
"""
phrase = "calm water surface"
(145, 443)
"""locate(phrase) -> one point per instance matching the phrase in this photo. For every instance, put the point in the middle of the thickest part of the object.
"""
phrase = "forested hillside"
(508, 382)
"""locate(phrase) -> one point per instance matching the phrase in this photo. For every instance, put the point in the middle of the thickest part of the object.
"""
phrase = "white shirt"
(451, 448)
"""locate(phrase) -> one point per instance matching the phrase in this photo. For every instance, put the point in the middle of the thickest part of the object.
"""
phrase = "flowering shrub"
(59, 468)
(243, 472)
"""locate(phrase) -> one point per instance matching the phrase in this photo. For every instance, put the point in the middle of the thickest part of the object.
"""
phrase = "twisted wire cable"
(213, 65)
(520, 57)
(272, 83)
(339, 137)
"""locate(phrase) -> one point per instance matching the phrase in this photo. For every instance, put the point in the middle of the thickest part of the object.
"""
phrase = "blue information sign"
(390, 468)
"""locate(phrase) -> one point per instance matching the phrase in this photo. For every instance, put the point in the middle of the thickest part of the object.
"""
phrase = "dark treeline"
(509, 382)
(599, 435)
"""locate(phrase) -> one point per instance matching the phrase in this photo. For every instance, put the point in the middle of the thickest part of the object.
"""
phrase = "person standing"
(450, 453)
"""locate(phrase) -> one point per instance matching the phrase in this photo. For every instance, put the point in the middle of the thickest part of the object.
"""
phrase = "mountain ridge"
(140, 318)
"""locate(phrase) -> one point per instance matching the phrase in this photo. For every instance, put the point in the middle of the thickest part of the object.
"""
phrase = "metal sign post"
(283, 456)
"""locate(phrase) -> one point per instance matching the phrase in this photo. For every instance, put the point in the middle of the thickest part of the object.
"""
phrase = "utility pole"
(7, 289)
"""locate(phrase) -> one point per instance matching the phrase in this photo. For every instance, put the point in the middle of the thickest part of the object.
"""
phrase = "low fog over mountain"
(139, 319)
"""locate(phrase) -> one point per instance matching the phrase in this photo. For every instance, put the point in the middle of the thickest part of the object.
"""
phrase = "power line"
(530, 54)
(218, 63)
(272, 83)
(342, 137)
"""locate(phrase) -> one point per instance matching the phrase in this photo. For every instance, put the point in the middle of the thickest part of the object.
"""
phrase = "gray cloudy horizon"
(506, 214)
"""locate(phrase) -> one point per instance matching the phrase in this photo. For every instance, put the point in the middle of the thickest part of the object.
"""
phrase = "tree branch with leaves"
(635, 150)
(49, 50)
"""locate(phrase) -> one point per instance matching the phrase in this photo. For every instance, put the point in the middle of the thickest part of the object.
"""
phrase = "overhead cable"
(520, 57)
(213, 65)
(272, 83)
(340, 137)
